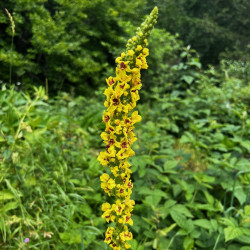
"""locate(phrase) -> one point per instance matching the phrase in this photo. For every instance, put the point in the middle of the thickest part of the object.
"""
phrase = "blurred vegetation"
(216, 29)
(191, 171)
(72, 44)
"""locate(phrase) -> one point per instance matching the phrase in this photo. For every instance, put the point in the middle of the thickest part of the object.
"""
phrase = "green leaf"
(244, 239)
(71, 237)
(188, 243)
(155, 243)
(181, 221)
(203, 223)
(170, 164)
(195, 63)
(182, 209)
(169, 203)
(209, 197)
(245, 248)
(187, 79)
(153, 200)
(156, 192)
(9, 206)
(240, 194)
(187, 138)
(2, 138)
(6, 195)
(232, 233)
(164, 179)
(183, 54)
(133, 244)
(166, 230)
(214, 224)
(247, 210)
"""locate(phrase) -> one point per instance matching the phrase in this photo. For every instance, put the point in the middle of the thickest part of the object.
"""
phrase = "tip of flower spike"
(155, 9)
(143, 31)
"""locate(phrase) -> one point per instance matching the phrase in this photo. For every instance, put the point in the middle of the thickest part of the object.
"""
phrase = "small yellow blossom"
(145, 52)
(111, 81)
(138, 48)
(105, 206)
(131, 52)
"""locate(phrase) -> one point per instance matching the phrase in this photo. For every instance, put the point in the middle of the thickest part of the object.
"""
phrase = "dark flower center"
(116, 101)
(123, 66)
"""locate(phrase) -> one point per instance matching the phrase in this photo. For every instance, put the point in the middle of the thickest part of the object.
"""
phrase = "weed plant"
(191, 167)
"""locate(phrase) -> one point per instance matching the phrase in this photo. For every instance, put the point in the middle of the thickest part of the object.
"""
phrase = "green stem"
(82, 243)
(12, 42)
(24, 116)
(216, 243)
(172, 240)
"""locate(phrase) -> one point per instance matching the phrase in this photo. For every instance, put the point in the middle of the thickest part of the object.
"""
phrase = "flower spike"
(122, 94)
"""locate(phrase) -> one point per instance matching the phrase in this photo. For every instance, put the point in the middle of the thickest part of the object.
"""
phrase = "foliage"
(71, 44)
(68, 44)
(215, 29)
(49, 177)
(194, 155)
(191, 169)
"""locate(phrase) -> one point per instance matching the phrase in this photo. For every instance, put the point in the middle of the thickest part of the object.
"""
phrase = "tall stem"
(11, 52)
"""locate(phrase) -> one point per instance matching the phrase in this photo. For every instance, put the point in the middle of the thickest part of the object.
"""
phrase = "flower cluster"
(122, 95)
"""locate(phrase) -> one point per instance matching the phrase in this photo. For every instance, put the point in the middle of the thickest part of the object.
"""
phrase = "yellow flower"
(121, 88)
(122, 70)
(108, 92)
(119, 207)
(127, 108)
(127, 246)
(107, 215)
(145, 52)
(105, 206)
(118, 59)
(126, 236)
(115, 103)
(124, 165)
(106, 116)
(108, 138)
(118, 129)
(129, 205)
(125, 153)
(108, 235)
(103, 158)
(111, 81)
(115, 171)
(141, 62)
(120, 190)
(104, 177)
(122, 144)
(111, 152)
(109, 128)
(135, 117)
(131, 52)
(138, 48)
(134, 95)
(111, 183)
(126, 219)
(135, 72)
